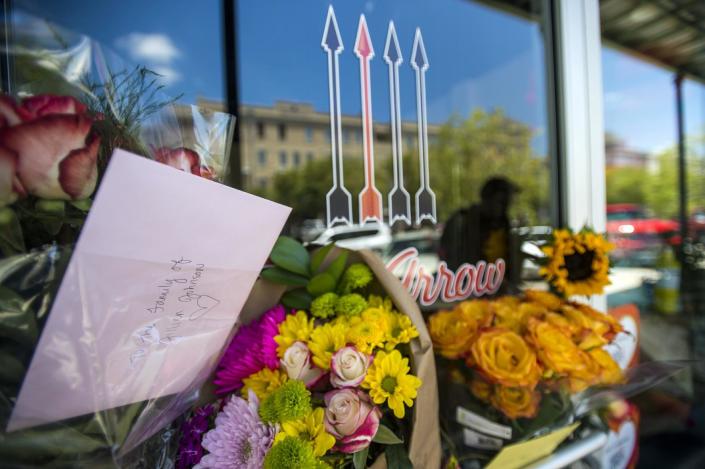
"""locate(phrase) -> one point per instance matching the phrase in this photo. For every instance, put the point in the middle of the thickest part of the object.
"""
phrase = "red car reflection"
(637, 236)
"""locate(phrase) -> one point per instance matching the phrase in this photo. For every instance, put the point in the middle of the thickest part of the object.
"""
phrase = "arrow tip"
(363, 43)
(419, 60)
(331, 41)
(392, 53)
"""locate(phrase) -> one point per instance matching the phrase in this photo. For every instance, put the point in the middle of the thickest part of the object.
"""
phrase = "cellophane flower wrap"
(72, 104)
(332, 367)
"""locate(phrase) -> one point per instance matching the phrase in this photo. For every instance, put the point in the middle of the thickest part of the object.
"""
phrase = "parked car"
(374, 236)
(637, 237)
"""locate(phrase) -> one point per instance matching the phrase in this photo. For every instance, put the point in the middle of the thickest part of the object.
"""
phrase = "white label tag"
(480, 441)
(481, 424)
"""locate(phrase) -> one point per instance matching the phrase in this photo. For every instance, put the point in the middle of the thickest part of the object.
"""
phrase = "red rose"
(55, 151)
(184, 159)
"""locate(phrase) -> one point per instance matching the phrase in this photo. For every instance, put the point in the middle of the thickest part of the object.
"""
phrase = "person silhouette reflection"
(480, 231)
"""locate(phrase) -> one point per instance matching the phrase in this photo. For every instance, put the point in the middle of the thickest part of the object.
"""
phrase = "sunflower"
(577, 263)
(388, 379)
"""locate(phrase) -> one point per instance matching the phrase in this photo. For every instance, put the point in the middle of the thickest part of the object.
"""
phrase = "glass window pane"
(483, 119)
(655, 268)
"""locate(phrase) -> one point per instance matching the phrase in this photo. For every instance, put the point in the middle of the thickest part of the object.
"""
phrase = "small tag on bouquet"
(472, 420)
(480, 441)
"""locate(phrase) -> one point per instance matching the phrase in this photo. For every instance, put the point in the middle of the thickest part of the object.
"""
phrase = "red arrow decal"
(370, 198)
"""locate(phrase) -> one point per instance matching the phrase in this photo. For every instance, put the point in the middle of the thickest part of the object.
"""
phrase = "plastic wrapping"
(58, 77)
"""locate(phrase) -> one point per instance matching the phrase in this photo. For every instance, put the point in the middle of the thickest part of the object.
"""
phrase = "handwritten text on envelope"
(163, 266)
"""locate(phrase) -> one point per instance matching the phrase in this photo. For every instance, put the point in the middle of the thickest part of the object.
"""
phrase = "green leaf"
(83, 205)
(320, 284)
(397, 458)
(319, 256)
(54, 207)
(297, 299)
(360, 458)
(385, 436)
(11, 369)
(291, 255)
(11, 239)
(279, 275)
(337, 267)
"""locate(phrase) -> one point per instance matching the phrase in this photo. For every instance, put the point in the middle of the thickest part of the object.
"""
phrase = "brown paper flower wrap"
(422, 442)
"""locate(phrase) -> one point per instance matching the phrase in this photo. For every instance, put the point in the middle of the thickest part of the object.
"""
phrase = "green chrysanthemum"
(355, 277)
(324, 306)
(290, 402)
(350, 305)
(291, 453)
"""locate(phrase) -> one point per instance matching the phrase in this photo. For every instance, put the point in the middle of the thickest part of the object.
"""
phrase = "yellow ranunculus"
(610, 372)
(558, 353)
(515, 402)
(451, 333)
(477, 310)
(503, 357)
(481, 389)
(547, 299)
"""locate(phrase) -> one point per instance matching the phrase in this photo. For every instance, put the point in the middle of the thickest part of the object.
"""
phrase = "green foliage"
(360, 458)
(626, 185)
(289, 254)
(385, 436)
(294, 267)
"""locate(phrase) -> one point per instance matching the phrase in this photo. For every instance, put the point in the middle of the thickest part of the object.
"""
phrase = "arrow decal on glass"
(338, 199)
(399, 201)
(370, 198)
(425, 198)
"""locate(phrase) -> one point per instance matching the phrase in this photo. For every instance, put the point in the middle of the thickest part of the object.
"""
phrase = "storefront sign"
(483, 278)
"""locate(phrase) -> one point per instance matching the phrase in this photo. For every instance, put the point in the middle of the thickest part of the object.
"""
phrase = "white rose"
(348, 367)
(297, 363)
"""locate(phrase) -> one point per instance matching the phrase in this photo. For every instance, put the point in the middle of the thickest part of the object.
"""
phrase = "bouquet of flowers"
(518, 362)
(335, 382)
(518, 359)
(55, 143)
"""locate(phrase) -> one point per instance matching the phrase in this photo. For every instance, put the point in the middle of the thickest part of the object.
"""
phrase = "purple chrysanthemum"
(239, 438)
(192, 430)
(252, 349)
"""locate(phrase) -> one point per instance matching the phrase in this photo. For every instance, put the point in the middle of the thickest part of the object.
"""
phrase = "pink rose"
(348, 367)
(351, 418)
(184, 159)
(56, 152)
(298, 365)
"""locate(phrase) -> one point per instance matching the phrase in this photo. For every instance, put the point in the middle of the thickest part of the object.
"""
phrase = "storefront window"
(483, 118)
(655, 270)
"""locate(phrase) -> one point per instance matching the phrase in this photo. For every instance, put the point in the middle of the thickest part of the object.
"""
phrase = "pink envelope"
(159, 275)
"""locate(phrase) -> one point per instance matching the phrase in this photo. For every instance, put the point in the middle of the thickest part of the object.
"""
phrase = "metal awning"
(669, 32)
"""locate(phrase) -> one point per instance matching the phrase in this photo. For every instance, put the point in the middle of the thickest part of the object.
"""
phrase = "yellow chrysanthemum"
(325, 340)
(264, 382)
(400, 331)
(310, 429)
(388, 379)
(578, 263)
(364, 334)
(294, 328)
